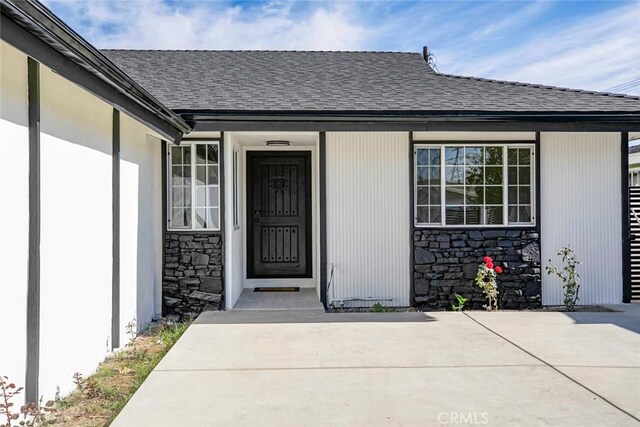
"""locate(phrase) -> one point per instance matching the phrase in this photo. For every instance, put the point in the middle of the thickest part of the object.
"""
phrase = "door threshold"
(276, 289)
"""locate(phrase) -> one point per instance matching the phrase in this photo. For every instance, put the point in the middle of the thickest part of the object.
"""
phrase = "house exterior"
(149, 183)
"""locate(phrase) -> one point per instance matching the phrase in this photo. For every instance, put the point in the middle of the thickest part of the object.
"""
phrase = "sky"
(578, 44)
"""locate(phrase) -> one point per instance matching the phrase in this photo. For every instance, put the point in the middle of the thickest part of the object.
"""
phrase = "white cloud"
(152, 24)
(596, 53)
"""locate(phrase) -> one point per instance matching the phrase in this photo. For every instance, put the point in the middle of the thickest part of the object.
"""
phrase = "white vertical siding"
(580, 203)
(14, 212)
(368, 209)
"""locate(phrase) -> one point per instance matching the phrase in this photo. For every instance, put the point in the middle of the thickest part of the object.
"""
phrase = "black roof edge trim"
(406, 114)
(38, 21)
(417, 125)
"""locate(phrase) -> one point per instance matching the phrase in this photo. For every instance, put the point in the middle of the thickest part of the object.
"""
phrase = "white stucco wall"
(140, 225)
(76, 227)
(581, 207)
(14, 214)
(233, 239)
(368, 211)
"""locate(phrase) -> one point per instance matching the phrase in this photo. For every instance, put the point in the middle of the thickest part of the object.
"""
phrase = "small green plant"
(486, 280)
(569, 276)
(461, 302)
(132, 331)
(379, 308)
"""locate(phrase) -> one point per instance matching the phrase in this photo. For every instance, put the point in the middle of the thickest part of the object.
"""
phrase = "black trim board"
(367, 124)
(626, 226)
(322, 146)
(23, 40)
(412, 220)
(33, 284)
(115, 249)
(221, 209)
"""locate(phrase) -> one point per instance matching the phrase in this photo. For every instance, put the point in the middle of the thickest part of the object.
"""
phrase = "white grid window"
(474, 185)
(194, 190)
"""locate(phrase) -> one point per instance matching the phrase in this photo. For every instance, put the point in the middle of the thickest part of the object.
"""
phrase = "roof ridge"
(261, 51)
(542, 86)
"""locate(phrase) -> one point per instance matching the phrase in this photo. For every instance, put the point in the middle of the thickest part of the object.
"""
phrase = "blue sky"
(586, 44)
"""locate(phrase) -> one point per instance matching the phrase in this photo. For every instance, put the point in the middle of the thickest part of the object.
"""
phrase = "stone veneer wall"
(193, 271)
(446, 262)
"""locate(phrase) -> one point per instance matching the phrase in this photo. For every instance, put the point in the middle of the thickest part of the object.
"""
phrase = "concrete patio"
(309, 368)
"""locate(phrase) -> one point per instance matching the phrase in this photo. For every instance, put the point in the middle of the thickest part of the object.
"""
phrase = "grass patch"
(100, 397)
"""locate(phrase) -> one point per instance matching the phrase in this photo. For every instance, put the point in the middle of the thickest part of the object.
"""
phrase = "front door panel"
(278, 214)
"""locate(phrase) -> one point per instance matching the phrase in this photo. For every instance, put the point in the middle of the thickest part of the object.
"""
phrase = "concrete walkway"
(304, 368)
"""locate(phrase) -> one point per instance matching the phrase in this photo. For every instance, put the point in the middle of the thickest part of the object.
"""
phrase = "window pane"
(524, 175)
(434, 175)
(177, 199)
(435, 156)
(525, 195)
(474, 175)
(493, 215)
(435, 214)
(454, 174)
(422, 175)
(513, 214)
(212, 175)
(176, 174)
(176, 155)
(212, 154)
(454, 215)
(453, 155)
(493, 175)
(474, 195)
(212, 196)
(423, 196)
(434, 195)
(513, 156)
(524, 156)
(186, 175)
(513, 175)
(201, 153)
(177, 217)
(525, 213)
(423, 214)
(212, 220)
(201, 175)
(494, 195)
(493, 156)
(201, 196)
(473, 155)
(201, 218)
(422, 156)
(473, 215)
(455, 195)
(186, 155)
(513, 195)
(187, 196)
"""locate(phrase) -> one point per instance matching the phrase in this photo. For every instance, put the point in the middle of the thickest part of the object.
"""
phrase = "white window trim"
(192, 144)
(505, 186)
(235, 157)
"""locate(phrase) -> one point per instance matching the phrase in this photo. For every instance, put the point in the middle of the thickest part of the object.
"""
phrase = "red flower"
(489, 265)
(498, 269)
(487, 259)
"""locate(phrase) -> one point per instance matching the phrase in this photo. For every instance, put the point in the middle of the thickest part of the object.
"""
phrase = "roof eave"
(412, 120)
(34, 29)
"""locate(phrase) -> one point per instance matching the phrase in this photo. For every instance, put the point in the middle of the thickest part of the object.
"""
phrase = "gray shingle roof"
(339, 81)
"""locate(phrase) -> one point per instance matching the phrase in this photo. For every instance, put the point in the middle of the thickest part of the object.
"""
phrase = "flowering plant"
(486, 280)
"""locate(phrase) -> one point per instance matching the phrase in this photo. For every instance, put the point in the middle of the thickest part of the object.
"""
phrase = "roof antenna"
(430, 58)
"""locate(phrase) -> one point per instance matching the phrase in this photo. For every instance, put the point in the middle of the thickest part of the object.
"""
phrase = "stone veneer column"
(193, 271)
(446, 262)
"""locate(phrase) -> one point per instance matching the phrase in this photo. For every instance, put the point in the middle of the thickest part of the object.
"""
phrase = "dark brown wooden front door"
(278, 214)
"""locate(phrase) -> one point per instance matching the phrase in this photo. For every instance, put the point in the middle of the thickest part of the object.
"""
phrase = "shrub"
(569, 276)
(486, 280)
